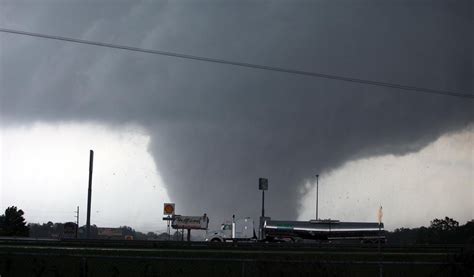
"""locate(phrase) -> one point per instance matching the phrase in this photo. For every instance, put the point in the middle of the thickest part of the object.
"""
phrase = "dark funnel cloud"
(215, 129)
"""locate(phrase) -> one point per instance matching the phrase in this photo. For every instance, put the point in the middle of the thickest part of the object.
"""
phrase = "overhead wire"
(406, 88)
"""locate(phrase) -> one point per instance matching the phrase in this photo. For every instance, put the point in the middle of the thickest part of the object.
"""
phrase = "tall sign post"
(168, 211)
(263, 186)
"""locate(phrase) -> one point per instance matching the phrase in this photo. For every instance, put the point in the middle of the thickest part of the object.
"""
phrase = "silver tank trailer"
(321, 230)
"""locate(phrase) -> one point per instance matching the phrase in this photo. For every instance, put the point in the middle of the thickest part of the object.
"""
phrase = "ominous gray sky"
(214, 129)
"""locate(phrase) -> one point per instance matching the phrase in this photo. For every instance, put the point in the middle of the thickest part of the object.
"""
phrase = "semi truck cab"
(238, 229)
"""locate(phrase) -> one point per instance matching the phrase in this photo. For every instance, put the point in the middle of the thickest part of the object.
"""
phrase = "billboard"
(69, 230)
(110, 232)
(190, 222)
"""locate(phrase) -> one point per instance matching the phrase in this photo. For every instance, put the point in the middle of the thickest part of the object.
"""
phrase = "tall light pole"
(263, 186)
(89, 195)
(317, 190)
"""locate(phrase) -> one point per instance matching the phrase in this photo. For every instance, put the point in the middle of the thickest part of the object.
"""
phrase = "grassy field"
(121, 258)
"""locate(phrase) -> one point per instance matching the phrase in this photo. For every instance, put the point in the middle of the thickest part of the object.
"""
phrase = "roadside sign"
(263, 184)
(110, 232)
(190, 222)
(69, 230)
(168, 209)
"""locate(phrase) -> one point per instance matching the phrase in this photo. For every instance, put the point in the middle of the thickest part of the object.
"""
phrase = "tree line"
(446, 230)
(56, 230)
(13, 224)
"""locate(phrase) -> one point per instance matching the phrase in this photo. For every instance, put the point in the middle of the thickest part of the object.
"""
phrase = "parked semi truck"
(235, 230)
(278, 230)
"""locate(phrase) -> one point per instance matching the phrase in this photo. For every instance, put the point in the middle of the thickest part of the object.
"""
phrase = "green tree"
(446, 224)
(151, 235)
(12, 223)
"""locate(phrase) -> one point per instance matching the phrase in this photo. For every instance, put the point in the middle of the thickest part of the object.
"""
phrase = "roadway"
(157, 258)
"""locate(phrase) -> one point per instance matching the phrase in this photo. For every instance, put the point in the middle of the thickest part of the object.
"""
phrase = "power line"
(247, 65)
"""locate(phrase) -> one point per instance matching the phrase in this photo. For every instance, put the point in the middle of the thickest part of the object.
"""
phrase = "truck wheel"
(215, 240)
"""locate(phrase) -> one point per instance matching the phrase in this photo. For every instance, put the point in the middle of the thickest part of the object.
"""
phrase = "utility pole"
(89, 195)
(77, 220)
(380, 215)
(317, 196)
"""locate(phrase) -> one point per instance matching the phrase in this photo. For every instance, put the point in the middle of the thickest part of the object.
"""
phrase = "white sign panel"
(110, 232)
(190, 222)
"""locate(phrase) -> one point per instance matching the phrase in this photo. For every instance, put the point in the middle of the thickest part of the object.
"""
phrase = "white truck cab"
(238, 229)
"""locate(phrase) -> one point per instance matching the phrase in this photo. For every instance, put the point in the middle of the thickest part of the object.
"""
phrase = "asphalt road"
(27, 257)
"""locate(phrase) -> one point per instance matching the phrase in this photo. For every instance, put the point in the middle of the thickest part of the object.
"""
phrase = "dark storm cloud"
(216, 128)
